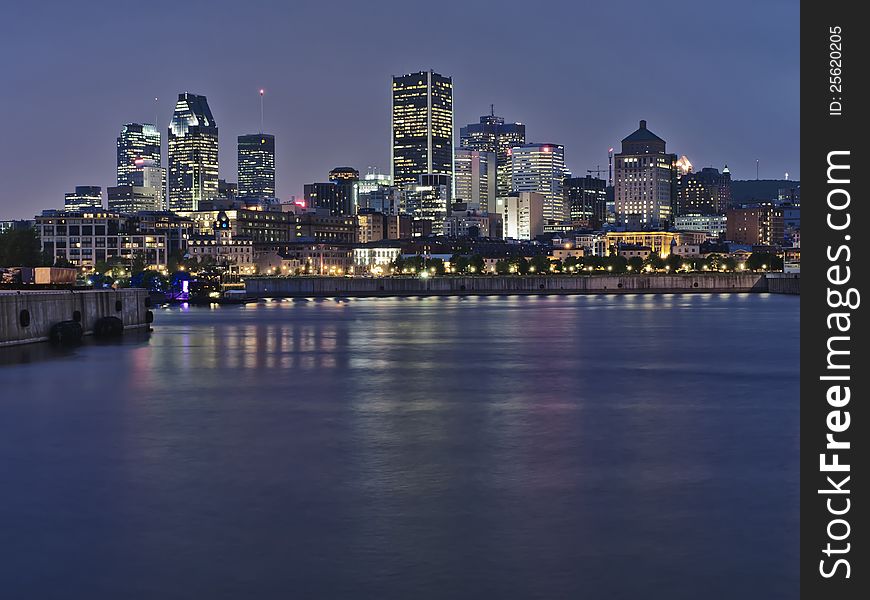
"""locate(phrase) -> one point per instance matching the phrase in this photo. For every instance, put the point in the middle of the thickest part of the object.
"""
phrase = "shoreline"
(343, 287)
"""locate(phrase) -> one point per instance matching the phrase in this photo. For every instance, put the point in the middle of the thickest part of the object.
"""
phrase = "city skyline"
(736, 123)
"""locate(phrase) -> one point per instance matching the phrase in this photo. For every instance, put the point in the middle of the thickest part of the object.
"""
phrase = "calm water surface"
(502, 447)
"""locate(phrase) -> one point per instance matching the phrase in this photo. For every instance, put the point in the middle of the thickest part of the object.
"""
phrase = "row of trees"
(541, 264)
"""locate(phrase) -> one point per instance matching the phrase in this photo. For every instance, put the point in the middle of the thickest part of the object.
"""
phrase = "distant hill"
(759, 189)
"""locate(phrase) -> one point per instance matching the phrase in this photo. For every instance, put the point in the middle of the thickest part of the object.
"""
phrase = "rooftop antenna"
(756, 169)
(262, 92)
(155, 110)
(492, 110)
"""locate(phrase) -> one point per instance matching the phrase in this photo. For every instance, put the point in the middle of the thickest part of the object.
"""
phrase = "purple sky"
(718, 81)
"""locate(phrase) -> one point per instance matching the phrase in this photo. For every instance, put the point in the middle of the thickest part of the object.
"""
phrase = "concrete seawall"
(266, 287)
(42, 309)
(784, 283)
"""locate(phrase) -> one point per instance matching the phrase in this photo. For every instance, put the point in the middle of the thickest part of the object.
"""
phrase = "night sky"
(718, 81)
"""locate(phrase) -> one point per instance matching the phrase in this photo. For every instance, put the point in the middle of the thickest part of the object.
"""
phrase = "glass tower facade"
(257, 166)
(541, 168)
(193, 153)
(492, 134)
(137, 142)
(422, 127)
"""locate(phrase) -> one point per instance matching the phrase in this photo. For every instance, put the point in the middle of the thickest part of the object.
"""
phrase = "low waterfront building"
(657, 241)
(563, 252)
(593, 243)
(374, 258)
(628, 251)
(310, 258)
(87, 238)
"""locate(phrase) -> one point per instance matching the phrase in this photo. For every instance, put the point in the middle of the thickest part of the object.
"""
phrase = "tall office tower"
(475, 181)
(704, 192)
(422, 124)
(586, 198)
(193, 153)
(492, 134)
(85, 196)
(138, 142)
(645, 181)
(541, 168)
(256, 166)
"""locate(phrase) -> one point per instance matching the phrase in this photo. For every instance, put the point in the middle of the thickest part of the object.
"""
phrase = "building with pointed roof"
(645, 180)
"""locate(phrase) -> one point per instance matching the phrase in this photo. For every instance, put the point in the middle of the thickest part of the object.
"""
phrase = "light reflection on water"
(511, 447)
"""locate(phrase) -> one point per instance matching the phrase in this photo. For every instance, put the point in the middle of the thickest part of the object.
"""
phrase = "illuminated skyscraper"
(138, 150)
(257, 166)
(645, 180)
(137, 142)
(541, 168)
(492, 134)
(422, 124)
(193, 153)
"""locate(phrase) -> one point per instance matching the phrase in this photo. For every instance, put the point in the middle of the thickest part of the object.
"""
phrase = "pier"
(27, 316)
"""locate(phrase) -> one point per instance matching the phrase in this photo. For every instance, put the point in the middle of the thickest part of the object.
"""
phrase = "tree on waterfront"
(459, 263)
(655, 262)
(476, 263)
(764, 260)
(21, 248)
(502, 267)
(635, 263)
(540, 263)
(617, 263)
(674, 262)
(522, 265)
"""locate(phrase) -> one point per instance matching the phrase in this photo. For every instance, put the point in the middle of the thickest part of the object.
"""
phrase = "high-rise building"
(522, 214)
(193, 153)
(475, 180)
(541, 168)
(139, 159)
(645, 180)
(704, 192)
(85, 196)
(586, 198)
(492, 134)
(138, 142)
(256, 166)
(422, 127)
